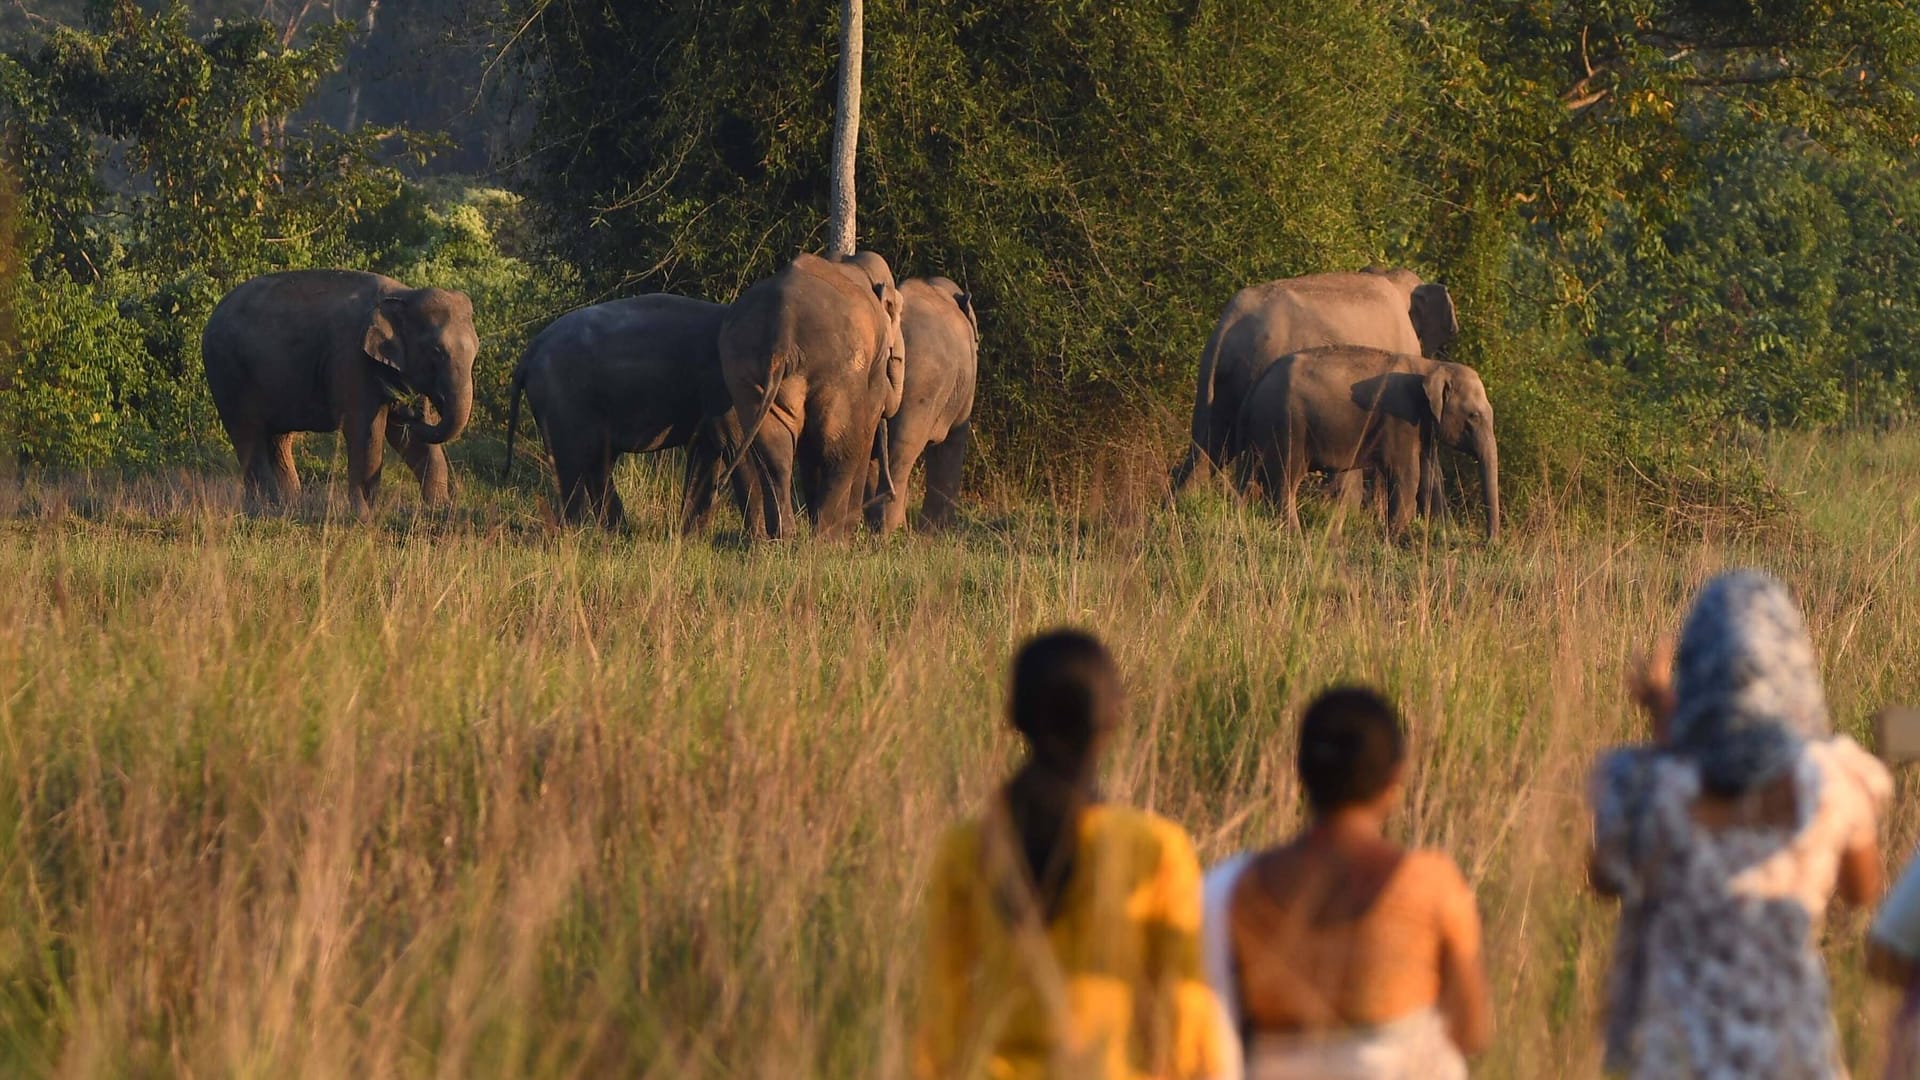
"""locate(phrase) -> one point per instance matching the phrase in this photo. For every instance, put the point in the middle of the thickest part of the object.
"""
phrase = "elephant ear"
(1434, 318)
(382, 342)
(1438, 380)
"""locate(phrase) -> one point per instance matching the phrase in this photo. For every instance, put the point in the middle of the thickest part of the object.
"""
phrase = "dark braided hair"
(1066, 695)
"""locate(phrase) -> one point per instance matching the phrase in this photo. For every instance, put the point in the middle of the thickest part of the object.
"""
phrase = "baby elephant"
(1343, 407)
(340, 350)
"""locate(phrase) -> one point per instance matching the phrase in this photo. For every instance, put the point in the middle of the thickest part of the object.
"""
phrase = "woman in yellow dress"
(1063, 932)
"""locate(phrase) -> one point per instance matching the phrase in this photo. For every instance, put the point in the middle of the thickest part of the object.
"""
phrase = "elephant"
(1340, 408)
(631, 376)
(340, 350)
(1382, 309)
(815, 364)
(935, 419)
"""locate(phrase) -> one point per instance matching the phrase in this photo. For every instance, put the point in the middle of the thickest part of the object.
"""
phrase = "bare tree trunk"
(846, 127)
(356, 79)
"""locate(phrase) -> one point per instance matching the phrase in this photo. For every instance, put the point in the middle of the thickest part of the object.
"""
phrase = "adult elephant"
(1342, 408)
(935, 420)
(814, 362)
(632, 376)
(340, 350)
(1383, 309)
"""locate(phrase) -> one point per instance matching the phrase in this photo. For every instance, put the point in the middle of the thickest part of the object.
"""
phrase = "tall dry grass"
(468, 797)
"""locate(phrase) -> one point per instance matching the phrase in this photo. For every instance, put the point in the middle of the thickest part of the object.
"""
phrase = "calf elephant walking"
(935, 420)
(1343, 408)
(814, 363)
(1392, 310)
(340, 350)
(632, 376)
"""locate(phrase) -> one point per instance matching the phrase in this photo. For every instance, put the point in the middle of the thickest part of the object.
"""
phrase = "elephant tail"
(518, 387)
(776, 371)
(1203, 446)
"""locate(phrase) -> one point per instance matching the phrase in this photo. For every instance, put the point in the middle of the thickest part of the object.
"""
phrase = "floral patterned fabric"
(1716, 971)
(1746, 682)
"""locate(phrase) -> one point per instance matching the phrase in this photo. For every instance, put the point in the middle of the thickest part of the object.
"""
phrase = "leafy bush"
(156, 170)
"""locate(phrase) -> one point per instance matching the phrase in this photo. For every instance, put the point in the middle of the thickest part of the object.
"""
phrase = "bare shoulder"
(1845, 762)
(1435, 873)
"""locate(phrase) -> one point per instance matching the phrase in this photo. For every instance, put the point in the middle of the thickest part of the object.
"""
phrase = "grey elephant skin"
(935, 421)
(633, 376)
(1343, 408)
(1383, 309)
(340, 350)
(815, 362)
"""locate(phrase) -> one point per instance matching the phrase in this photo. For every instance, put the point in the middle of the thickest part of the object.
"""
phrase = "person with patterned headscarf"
(1724, 841)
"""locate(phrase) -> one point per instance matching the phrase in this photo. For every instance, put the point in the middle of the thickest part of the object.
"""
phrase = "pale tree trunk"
(846, 128)
(355, 79)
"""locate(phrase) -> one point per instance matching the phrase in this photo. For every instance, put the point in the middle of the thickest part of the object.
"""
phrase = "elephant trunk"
(1490, 481)
(455, 406)
(883, 491)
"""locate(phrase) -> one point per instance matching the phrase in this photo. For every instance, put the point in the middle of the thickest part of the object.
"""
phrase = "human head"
(1066, 697)
(1351, 749)
(1747, 689)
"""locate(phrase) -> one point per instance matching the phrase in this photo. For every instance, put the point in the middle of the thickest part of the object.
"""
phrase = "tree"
(147, 187)
(846, 128)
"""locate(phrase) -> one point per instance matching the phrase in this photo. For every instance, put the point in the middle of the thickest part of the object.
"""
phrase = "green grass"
(463, 795)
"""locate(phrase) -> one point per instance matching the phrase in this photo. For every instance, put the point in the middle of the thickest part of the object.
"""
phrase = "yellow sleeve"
(1199, 1028)
(949, 951)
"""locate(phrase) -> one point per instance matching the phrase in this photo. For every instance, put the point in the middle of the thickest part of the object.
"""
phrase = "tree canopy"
(1660, 218)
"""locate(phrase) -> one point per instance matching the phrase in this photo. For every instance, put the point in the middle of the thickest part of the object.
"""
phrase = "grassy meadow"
(470, 796)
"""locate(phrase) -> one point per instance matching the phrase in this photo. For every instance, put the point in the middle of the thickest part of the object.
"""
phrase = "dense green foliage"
(1627, 199)
(157, 168)
(1661, 219)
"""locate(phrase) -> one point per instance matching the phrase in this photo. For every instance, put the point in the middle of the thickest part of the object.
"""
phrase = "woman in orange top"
(1349, 956)
(1063, 932)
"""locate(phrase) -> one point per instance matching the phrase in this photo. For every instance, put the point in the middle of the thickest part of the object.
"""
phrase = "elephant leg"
(839, 484)
(807, 467)
(282, 480)
(428, 463)
(1287, 470)
(1403, 484)
(575, 505)
(595, 493)
(1348, 488)
(613, 512)
(249, 447)
(1193, 468)
(773, 450)
(903, 452)
(1433, 492)
(744, 481)
(366, 450)
(944, 459)
(702, 476)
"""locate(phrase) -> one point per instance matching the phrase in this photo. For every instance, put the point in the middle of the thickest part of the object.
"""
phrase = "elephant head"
(1429, 308)
(1463, 419)
(422, 340)
(879, 276)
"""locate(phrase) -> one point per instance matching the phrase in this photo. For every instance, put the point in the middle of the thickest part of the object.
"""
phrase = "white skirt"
(1414, 1047)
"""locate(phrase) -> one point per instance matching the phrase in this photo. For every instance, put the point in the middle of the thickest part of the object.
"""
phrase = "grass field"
(471, 797)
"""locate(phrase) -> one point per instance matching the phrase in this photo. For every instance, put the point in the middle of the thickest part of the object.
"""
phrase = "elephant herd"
(832, 375)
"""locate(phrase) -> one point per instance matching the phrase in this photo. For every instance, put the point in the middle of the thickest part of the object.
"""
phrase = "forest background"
(1664, 221)
(466, 795)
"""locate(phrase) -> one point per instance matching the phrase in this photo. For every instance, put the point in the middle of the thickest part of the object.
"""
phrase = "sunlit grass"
(468, 796)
